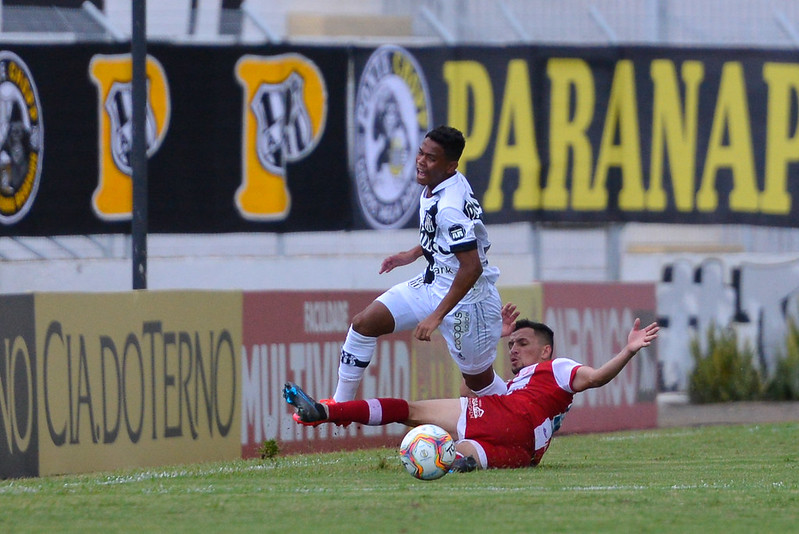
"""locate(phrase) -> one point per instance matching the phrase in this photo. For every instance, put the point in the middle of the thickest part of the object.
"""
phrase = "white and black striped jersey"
(451, 221)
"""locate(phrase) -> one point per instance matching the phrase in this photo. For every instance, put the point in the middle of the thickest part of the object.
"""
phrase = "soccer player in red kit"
(509, 430)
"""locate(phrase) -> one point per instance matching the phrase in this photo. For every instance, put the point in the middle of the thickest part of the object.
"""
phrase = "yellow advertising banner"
(137, 379)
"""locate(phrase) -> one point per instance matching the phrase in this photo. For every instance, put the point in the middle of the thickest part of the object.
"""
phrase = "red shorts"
(503, 431)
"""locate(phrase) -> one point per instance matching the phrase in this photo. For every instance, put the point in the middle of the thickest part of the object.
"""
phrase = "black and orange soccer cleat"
(309, 412)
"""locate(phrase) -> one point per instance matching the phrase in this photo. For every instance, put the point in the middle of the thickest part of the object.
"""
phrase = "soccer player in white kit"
(456, 292)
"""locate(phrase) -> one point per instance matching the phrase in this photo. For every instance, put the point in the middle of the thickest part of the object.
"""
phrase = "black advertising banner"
(591, 134)
(260, 146)
(228, 133)
(314, 138)
(19, 439)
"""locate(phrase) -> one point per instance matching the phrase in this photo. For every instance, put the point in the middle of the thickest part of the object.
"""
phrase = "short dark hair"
(541, 330)
(451, 140)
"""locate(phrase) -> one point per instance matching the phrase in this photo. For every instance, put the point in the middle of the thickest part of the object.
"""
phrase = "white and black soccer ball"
(427, 452)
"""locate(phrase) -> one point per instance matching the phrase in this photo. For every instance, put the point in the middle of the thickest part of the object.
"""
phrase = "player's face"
(525, 348)
(432, 165)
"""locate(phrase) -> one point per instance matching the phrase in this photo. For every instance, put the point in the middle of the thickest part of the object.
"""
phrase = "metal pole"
(613, 251)
(139, 150)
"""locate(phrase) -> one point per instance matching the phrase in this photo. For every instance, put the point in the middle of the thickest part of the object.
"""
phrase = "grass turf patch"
(722, 478)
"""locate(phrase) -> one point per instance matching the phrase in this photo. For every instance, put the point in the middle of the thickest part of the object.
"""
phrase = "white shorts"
(470, 330)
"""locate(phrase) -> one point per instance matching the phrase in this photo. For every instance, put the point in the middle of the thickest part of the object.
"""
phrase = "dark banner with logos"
(315, 138)
(588, 134)
(226, 127)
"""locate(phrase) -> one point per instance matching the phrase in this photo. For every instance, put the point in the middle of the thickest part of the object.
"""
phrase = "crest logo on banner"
(392, 116)
(21, 138)
(285, 109)
(112, 74)
(119, 106)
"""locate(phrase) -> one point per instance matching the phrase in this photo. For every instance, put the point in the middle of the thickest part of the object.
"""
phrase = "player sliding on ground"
(494, 431)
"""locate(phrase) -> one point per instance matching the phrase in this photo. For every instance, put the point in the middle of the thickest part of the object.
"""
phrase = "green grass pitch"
(739, 478)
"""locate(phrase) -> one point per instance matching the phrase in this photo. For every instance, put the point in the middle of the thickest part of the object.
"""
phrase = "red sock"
(372, 412)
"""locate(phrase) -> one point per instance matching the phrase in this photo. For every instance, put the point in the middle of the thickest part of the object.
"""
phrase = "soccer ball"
(427, 452)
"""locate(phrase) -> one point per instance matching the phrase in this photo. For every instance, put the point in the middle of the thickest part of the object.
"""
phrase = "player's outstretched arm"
(401, 258)
(638, 338)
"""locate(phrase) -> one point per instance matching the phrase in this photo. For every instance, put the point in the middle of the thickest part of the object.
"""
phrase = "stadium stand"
(732, 23)
(765, 23)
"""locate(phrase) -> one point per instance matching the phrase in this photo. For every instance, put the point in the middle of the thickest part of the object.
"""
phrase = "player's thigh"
(442, 412)
(408, 302)
(472, 333)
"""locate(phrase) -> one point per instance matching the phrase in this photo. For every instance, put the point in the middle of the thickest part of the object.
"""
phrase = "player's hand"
(640, 338)
(426, 328)
(509, 316)
(388, 264)
(395, 260)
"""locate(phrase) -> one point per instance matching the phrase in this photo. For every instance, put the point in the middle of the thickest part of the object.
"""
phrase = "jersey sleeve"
(457, 230)
(564, 370)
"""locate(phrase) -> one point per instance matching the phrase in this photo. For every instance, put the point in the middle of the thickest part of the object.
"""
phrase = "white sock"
(497, 387)
(356, 353)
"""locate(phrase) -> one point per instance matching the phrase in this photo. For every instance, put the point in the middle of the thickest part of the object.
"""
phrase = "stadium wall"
(658, 135)
(103, 381)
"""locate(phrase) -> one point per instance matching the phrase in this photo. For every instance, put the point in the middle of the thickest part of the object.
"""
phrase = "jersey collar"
(446, 183)
(530, 369)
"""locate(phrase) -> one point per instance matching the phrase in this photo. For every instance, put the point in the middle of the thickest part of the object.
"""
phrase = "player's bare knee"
(468, 449)
(362, 324)
(373, 322)
(476, 383)
(479, 381)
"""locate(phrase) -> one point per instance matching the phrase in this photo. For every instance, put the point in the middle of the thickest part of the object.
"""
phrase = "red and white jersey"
(515, 429)
(541, 393)
(553, 374)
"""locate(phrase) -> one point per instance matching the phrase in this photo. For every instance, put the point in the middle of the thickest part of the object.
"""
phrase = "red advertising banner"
(297, 336)
(591, 323)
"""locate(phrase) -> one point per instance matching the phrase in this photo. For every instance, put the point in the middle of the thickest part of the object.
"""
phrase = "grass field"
(742, 478)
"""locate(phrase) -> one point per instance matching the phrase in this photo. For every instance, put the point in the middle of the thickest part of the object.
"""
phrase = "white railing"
(734, 23)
